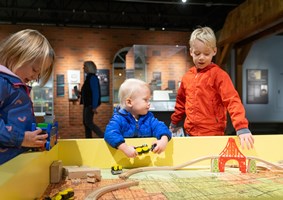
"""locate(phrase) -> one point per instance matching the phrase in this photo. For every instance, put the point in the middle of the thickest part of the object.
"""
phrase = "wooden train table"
(240, 181)
(190, 168)
(181, 184)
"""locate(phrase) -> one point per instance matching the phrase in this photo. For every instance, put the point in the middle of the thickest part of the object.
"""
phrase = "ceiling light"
(184, 1)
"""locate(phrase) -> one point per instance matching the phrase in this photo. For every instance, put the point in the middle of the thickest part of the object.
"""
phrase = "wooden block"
(56, 171)
(82, 172)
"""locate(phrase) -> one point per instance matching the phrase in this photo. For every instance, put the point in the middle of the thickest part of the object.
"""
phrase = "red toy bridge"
(232, 152)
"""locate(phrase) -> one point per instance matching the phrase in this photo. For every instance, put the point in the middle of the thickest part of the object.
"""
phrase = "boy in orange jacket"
(206, 93)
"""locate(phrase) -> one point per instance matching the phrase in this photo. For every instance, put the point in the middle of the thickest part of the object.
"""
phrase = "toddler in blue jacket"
(132, 119)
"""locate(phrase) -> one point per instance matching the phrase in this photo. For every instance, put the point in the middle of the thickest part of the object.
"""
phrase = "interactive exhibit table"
(190, 168)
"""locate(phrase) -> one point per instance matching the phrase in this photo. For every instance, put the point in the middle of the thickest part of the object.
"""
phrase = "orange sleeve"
(231, 100)
(179, 112)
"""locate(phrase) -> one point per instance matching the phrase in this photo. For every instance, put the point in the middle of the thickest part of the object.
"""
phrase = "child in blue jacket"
(131, 119)
(24, 56)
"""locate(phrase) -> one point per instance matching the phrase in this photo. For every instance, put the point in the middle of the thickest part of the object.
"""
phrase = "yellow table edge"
(27, 175)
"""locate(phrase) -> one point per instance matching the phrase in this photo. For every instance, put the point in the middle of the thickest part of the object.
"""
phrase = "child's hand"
(247, 139)
(34, 139)
(129, 151)
(160, 145)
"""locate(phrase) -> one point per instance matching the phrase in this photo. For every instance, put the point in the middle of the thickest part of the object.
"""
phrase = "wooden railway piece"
(102, 190)
(130, 172)
(276, 166)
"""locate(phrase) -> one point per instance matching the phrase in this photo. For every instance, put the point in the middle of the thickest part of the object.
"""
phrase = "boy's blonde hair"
(91, 67)
(205, 35)
(27, 46)
(129, 88)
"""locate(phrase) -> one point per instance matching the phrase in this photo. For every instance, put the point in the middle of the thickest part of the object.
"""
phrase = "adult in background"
(90, 98)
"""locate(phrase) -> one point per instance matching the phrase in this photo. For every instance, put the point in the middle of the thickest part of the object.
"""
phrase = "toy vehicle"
(51, 130)
(66, 194)
(142, 149)
(153, 146)
(116, 169)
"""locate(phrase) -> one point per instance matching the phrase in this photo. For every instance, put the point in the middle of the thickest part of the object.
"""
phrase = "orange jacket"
(204, 97)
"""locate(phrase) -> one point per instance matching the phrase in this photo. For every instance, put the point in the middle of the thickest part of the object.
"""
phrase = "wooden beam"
(221, 59)
(268, 32)
(242, 53)
(249, 19)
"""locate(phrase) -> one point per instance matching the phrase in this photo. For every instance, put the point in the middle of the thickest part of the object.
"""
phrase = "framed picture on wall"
(103, 76)
(257, 86)
(157, 76)
(73, 81)
(60, 84)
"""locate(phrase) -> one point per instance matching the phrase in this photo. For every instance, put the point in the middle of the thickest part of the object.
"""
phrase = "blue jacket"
(123, 125)
(90, 93)
(16, 114)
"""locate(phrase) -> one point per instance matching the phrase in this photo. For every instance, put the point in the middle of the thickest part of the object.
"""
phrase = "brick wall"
(75, 45)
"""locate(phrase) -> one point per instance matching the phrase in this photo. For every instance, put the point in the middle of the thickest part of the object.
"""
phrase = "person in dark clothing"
(90, 98)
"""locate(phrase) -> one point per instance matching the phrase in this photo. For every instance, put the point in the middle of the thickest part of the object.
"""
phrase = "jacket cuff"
(243, 131)
(118, 144)
(169, 138)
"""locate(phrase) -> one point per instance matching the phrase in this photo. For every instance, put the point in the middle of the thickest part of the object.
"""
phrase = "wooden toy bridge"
(231, 152)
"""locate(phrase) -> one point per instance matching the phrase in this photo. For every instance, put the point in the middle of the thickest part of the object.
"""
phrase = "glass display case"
(161, 66)
(162, 105)
(42, 98)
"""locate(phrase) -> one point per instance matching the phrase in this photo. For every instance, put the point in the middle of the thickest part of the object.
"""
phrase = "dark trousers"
(89, 125)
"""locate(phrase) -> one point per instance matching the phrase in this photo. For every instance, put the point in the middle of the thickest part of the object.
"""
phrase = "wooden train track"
(130, 172)
(278, 167)
(99, 192)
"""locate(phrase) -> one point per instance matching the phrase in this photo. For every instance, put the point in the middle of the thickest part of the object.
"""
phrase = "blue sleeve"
(94, 85)
(10, 136)
(113, 134)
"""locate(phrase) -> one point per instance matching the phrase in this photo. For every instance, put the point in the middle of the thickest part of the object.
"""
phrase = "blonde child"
(207, 92)
(132, 119)
(24, 56)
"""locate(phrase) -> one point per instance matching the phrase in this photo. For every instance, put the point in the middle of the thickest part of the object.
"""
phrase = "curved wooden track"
(128, 173)
(100, 191)
(266, 162)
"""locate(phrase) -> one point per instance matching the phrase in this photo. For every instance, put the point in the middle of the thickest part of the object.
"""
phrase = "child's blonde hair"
(27, 46)
(129, 88)
(205, 35)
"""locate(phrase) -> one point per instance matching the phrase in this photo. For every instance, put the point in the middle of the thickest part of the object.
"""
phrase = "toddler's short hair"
(205, 35)
(128, 88)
